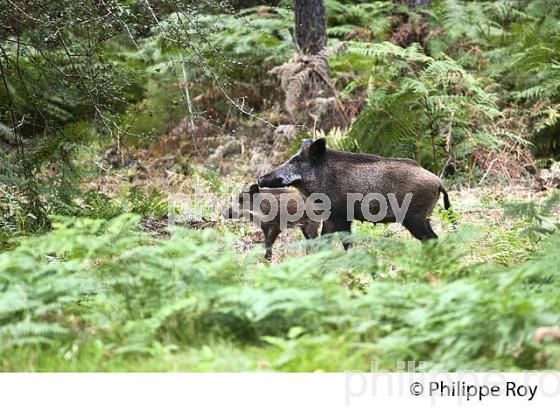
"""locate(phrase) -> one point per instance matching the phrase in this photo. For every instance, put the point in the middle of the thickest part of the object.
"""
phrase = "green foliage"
(368, 20)
(261, 38)
(95, 204)
(417, 103)
(539, 215)
(125, 294)
(97, 293)
(67, 85)
(153, 203)
(514, 43)
(44, 279)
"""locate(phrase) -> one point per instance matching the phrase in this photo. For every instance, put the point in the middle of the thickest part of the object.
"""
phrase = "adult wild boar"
(263, 207)
(360, 186)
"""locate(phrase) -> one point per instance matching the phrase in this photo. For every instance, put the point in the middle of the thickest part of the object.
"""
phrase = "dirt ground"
(223, 163)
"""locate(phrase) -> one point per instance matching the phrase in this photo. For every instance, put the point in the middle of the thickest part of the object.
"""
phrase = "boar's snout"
(283, 176)
(270, 181)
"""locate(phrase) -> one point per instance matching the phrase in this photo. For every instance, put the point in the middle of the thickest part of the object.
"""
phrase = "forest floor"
(210, 171)
(499, 240)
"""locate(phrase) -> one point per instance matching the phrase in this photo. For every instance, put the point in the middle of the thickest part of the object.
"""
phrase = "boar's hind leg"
(270, 234)
(434, 235)
(332, 225)
(419, 228)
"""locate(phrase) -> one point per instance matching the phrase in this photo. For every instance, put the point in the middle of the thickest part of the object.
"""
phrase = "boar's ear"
(306, 143)
(253, 189)
(317, 149)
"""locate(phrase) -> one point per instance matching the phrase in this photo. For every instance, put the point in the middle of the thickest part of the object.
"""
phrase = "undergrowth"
(95, 288)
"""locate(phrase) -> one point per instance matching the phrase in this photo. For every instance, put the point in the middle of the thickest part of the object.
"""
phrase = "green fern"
(413, 98)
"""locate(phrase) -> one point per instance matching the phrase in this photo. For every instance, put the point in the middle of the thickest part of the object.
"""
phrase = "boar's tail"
(446, 202)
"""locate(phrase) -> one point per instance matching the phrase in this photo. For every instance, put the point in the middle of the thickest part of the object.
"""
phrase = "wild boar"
(358, 186)
(255, 205)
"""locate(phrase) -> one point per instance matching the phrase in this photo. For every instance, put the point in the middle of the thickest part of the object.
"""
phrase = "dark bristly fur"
(316, 169)
(352, 157)
(271, 229)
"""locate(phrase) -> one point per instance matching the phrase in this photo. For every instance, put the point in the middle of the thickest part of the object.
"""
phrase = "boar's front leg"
(337, 224)
(270, 234)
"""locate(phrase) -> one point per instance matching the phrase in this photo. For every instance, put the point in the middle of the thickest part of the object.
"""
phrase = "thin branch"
(201, 62)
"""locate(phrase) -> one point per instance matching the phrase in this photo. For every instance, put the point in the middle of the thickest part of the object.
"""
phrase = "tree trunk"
(311, 99)
(414, 3)
(310, 26)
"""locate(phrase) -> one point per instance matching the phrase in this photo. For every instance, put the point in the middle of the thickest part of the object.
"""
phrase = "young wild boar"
(255, 205)
(359, 185)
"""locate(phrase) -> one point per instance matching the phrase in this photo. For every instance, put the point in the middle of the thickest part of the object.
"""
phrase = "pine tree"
(310, 26)
(305, 78)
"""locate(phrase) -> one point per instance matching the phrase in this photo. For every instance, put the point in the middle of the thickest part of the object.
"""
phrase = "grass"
(217, 356)
(92, 357)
